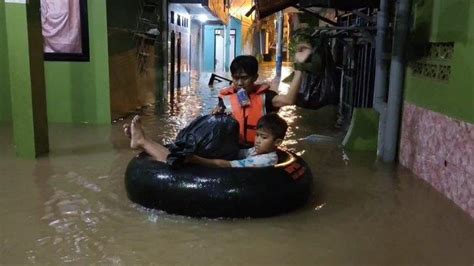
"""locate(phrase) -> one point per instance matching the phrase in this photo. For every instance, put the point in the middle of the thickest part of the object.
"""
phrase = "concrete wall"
(437, 143)
(196, 56)
(237, 25)
(5, 99)
(248, 38)
(444, 21)
(78, 92)
(209, 44)
(238, 10)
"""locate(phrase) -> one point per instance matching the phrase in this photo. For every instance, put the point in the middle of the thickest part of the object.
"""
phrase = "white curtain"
(61, 26)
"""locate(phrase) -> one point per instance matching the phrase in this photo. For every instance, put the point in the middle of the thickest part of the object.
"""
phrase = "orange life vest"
(249, 115)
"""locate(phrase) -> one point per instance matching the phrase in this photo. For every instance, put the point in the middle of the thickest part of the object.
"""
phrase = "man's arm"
(302, 54)
(281, 100)
(208, 162)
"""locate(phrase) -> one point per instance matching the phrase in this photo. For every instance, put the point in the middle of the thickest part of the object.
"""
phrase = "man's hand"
(303, 51)
(218, 110)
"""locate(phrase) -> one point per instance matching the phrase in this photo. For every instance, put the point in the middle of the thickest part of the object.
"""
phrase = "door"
(219, 51)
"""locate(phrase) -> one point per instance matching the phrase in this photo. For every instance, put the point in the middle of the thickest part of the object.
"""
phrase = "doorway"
(219, 51)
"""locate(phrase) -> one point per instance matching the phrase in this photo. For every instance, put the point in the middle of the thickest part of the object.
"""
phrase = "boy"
(249, 101)
(271, 130)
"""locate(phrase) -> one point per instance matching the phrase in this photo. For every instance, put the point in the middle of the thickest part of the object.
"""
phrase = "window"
(172, 17)
(65, 30)
(179, 20)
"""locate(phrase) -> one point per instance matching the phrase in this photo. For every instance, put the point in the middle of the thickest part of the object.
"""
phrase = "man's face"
(243, 80)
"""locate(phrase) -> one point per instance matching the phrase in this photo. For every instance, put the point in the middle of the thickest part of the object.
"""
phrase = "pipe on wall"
(381, 69)
(279, 46)
(397, 80)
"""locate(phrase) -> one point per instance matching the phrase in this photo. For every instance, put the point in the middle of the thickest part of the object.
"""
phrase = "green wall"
(441, 21)
(26, 78)
(78, 92)
(5, 106)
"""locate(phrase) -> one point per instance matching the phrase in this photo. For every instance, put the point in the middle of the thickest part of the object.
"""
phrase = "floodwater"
(71, 206)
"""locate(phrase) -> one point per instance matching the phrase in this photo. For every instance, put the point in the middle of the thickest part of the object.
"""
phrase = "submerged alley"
(390, 145)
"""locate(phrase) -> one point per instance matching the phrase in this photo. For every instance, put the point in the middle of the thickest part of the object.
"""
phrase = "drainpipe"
(397, 79)
(381, 70)
(279, 46)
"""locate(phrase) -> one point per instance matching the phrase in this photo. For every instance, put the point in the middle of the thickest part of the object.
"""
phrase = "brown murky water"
(71, 206)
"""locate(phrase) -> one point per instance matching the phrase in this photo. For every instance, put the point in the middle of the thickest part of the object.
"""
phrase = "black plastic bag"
(317, 90)
(318, 87)
(209, 136)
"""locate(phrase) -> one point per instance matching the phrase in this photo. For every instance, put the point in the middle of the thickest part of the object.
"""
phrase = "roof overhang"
(345, 5)
(214, 9)
(268, 7)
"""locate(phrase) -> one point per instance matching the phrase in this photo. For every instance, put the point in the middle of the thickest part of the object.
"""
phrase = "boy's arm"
(207, 162)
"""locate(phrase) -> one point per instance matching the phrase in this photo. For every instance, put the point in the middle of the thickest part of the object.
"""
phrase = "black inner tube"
(219, 192)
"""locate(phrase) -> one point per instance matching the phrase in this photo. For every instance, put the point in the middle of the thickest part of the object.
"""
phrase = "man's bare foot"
(137, 135)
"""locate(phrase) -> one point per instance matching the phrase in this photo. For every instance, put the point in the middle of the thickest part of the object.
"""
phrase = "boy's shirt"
(251, 159)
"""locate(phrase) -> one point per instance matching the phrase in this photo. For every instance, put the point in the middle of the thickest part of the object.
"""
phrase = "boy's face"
(243, 80)
(265, 142)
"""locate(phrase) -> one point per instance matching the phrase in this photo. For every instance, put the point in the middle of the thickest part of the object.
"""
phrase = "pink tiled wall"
(440, 150)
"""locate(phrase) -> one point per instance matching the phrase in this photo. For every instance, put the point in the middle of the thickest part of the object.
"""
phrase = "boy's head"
(271, 130)
(244, 70)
